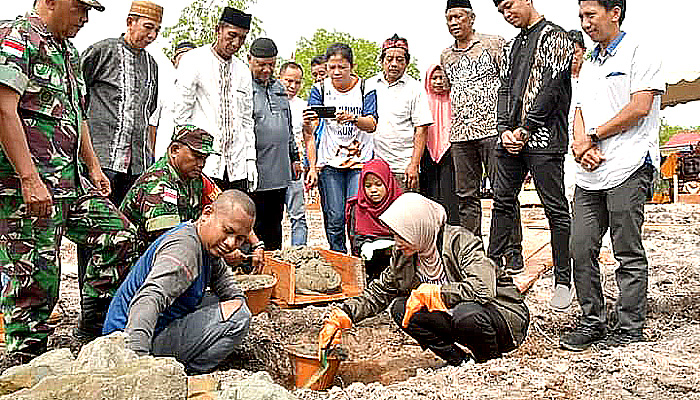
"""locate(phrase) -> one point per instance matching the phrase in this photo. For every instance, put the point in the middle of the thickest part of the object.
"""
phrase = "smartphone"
(324, 111)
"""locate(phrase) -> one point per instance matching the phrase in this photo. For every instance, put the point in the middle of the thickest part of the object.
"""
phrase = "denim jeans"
(622, 210)
(336, 186)
(296, 210)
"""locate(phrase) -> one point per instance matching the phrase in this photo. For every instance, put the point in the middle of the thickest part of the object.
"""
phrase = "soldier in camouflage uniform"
(171, 190)
(43, 195)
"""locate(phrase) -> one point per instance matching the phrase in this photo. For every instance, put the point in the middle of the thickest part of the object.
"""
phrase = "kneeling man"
(162, 305)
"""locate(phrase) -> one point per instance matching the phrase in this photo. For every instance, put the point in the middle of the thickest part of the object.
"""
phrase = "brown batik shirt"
(473, 73)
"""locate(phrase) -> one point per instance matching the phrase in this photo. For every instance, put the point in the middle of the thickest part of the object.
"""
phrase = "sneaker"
(561, 300)
(621, 337)
(581, 338)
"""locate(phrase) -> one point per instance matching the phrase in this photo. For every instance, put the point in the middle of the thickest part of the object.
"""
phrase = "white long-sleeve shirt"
(217, 95)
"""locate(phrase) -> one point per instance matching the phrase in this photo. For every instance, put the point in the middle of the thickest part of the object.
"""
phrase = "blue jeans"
(336, 186)
(296, 210)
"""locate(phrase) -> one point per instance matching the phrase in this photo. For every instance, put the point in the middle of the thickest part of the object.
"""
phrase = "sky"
(670, 26)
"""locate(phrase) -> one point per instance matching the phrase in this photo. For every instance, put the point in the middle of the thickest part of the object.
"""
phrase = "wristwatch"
(593, 134)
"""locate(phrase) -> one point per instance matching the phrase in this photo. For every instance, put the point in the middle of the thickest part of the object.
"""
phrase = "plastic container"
(304, 366)
(258, 299)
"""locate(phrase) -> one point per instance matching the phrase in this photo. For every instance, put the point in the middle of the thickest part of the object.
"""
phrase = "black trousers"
(437, 182)
(269, 210)
(479, 328)
(547, 170)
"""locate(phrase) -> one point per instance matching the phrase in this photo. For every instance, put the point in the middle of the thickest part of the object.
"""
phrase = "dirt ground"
(383, 363)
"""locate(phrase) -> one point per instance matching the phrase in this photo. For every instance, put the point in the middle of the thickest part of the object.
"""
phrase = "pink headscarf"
(439, 132)
(366, 212)
(418, 220)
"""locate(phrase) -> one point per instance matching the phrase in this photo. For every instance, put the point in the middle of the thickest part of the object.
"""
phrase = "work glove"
(426, 295)
(252, 175)
(330, 333)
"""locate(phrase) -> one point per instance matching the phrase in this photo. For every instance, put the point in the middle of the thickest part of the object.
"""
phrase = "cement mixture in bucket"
(314, 274)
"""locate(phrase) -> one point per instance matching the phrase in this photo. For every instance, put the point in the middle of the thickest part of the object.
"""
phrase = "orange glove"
(332, 326)
(426, 295)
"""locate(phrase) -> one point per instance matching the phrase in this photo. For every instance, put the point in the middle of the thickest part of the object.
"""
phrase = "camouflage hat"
(195, 138)
(94, 4)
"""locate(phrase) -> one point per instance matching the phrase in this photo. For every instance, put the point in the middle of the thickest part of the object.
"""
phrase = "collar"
(127, 45)
(38, 24)
(402, 79)
(537, 26)
(173, 171)
(218, 57)
(601, 55)
(475, 40)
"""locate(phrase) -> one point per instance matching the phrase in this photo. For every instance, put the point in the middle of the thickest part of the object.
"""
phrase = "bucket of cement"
(305, 363)
(258, 290)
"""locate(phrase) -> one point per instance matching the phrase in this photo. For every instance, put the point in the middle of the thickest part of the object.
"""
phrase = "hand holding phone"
(324, 111)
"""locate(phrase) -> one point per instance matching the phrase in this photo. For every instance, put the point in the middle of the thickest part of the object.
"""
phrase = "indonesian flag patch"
(12, 47)
(170, 195)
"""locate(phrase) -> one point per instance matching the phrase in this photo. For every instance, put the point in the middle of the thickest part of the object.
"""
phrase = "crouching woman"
(442, 289)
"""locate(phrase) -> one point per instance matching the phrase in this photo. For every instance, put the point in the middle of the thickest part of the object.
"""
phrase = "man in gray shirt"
(162, 305)
(274, 142)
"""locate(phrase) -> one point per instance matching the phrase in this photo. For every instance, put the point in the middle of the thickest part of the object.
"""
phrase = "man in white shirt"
(616, 144)
(291, 75)
(404, 114)
(214, 92)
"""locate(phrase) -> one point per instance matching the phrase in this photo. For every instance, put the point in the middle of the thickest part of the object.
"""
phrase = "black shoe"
(581, 338)
(621, 337)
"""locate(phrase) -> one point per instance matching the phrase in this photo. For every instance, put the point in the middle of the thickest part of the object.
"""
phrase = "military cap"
(195, 138)
(94, 4)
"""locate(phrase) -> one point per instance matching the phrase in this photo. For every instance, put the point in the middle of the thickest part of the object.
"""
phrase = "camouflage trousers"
(30, 260)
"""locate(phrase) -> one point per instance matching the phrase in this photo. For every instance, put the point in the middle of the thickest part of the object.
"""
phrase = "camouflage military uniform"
(160, 200)
(46, 74)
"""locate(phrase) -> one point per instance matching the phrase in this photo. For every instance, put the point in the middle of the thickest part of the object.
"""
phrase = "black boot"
(93, 312)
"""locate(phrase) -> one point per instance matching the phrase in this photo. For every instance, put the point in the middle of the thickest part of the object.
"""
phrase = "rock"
(145, 378)
(104, 353)
(202, 387)
(55, 362)
(257, 387)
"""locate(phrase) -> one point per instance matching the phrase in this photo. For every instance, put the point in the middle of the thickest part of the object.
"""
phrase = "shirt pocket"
(46, 93)
(618, 82)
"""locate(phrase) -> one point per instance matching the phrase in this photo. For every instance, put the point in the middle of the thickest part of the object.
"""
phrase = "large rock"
(146, 378)
(106, 370)
(55, 362)
(258, 387)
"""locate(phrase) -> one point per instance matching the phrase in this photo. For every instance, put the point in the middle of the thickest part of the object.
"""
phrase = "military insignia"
(12, 47)
(170, 195)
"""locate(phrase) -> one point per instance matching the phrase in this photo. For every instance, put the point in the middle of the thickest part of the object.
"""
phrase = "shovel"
(323, 367)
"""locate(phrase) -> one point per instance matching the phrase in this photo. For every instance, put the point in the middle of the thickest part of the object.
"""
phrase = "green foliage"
(197, 24)
(667, 131)
(365, 54)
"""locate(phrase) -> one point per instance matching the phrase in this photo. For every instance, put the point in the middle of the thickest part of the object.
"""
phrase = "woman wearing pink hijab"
(437, 177)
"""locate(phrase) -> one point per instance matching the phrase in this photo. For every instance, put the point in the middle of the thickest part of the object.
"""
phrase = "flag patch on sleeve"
(170, 195)
(12, 47)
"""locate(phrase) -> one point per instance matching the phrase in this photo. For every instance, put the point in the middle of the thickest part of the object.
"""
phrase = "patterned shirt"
(535, 88)
(46, 73)
(160, 199)
(474, 76)
(122, 94)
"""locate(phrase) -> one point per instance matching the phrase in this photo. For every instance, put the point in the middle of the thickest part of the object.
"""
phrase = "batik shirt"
(46, 73)
(535, 90)
(122, 94)
(474, 73)
(160, 200)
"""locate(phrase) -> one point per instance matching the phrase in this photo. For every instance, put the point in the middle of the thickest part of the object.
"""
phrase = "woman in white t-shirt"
(338, 147)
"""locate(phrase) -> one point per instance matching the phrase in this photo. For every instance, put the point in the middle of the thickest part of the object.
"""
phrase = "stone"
(145, 378)
(258, 387)
(103, 354)
(55, 362)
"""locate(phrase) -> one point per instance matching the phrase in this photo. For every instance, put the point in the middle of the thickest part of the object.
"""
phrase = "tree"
(667, 131)
(365, 54)
(197, 24)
